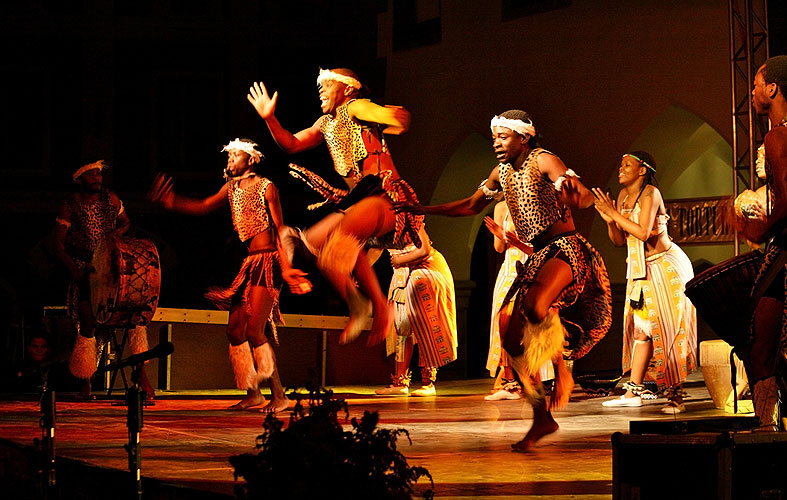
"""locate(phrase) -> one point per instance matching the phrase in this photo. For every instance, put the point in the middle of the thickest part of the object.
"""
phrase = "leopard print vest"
(344, 140)
(91, 222)
(250, 215)
(530, 196)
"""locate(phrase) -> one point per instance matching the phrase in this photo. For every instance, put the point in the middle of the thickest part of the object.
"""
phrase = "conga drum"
(722, 296)
(124, 282)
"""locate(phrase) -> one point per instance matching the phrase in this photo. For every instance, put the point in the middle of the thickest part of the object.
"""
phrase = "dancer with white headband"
(253, 297)
(86, 218)
(563, 278)
(352, 127)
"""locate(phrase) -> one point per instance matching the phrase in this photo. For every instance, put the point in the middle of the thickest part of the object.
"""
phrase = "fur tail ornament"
(543, 341)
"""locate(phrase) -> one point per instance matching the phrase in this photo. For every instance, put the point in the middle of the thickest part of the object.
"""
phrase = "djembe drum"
(125, 284)
(722, 296)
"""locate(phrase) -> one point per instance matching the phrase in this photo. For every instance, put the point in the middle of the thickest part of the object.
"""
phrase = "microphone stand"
(46, 444)
(134, 424)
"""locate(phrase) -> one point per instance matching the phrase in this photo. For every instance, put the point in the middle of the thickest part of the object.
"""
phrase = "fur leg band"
(542, 341)
(138, 340)
(83, 361)
(243, 366)
(265, 360)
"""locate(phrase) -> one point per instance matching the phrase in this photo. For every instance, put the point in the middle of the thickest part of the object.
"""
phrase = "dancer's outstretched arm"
(396, 118)
(472, 205)
(162, 193)
(289, 142)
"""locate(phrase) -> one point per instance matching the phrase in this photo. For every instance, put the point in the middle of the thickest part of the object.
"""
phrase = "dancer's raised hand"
(161, 191)
(262, 102)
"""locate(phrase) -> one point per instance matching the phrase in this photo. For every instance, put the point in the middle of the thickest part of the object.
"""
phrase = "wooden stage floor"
(463, 440)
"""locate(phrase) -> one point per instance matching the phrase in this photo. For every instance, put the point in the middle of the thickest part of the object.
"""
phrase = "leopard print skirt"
(585, 305)
(259, 268)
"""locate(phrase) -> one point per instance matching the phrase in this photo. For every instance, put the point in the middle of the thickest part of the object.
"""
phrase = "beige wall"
(594, 76)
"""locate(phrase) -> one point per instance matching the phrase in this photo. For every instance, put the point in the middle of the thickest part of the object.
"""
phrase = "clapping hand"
(605, 205)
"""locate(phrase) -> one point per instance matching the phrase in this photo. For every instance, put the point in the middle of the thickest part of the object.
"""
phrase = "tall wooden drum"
(125, 282)
(722, 296)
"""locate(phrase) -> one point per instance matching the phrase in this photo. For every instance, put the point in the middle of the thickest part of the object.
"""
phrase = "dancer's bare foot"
(360, 310)
(250, 401)
(382, 323)
(146, 386)
(535, 433)
(85, 392)
(275, 406)
(564, 385)
(353, 329)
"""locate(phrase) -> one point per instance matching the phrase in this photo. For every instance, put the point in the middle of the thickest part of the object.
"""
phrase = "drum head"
(125, 280)
(103, 282)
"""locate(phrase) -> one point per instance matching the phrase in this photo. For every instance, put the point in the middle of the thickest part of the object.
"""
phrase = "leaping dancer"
(352, 127)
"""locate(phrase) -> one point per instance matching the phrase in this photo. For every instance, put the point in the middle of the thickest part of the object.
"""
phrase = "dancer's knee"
(235, 334)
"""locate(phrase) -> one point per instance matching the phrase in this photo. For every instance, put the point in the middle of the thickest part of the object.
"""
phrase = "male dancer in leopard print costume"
(352, 127)
(86, 218)
(765, 356)
(253, 297)
(560, 304)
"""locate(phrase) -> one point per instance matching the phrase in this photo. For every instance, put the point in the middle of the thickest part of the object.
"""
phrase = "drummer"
(253, 297)
(88, 216)
(765, 354)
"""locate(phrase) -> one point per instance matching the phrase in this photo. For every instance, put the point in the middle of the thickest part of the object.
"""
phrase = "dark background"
(160, 86)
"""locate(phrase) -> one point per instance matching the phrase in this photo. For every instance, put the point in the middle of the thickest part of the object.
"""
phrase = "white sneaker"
(502, 394)
(392, 390)
(623, 402)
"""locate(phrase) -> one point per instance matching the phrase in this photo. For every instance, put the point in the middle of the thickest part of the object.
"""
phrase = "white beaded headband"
(245, 146)
(326, 74)
(90, 166)
(518, 126)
